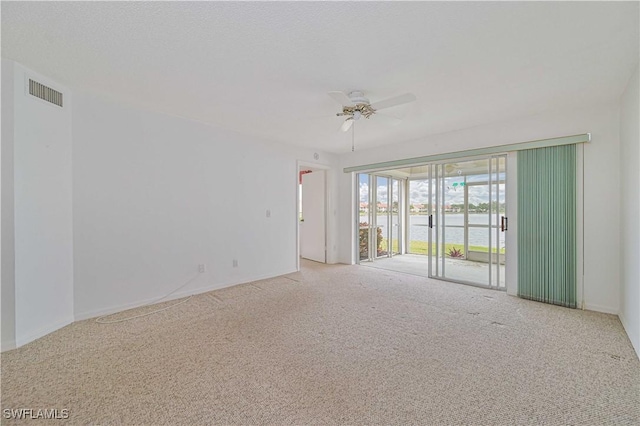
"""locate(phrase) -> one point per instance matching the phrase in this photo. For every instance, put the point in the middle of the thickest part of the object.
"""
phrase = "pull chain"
(353, 131)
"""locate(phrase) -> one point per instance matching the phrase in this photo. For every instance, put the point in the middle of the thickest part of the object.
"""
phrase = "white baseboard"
(199, 290)
(7, 345)
(50, 328)
(123, 307)
(600, 308)
(635, 343)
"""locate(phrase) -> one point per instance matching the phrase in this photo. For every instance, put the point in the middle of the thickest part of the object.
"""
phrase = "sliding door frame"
(437, 231)
(372, 216)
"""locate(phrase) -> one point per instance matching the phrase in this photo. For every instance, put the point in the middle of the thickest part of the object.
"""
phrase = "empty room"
(320, 213)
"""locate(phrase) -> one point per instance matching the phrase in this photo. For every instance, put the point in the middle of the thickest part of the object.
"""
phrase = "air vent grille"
(45, 93)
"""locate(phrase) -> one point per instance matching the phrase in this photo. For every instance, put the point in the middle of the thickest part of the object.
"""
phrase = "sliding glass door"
(382, 217)
(365, 217)
(379, 216)
(456, 219)
(395, 211)
(467, 221)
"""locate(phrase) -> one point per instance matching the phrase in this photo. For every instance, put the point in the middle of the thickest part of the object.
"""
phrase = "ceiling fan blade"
(347, 124)
(386, 119)
(396, 100)
(341, 98)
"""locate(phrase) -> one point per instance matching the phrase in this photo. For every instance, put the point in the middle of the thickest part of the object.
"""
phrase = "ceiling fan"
(356, 106)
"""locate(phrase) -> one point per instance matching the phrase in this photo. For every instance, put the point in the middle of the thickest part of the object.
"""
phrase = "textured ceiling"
(264, 68)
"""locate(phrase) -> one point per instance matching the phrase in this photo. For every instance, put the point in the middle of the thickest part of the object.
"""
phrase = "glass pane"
(363, 232)
(382, 214)
(498, 210)
(465, 209)
(478, 204)
(395, 216)
(433, 231)
(418, 216)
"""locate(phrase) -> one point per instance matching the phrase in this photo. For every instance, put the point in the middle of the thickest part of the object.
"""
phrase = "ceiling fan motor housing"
(357, 97)
(360, 108)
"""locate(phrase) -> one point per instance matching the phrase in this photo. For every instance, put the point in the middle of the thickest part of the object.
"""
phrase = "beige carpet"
(336, 345)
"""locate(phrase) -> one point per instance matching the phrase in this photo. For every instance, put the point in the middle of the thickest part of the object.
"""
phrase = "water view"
(454, 228)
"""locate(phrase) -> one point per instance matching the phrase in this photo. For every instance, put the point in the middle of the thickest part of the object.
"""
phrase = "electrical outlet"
(268, 213)
(235, 263)
(202, 268)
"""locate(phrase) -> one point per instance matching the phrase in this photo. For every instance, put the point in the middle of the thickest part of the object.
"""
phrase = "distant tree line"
(473, 208)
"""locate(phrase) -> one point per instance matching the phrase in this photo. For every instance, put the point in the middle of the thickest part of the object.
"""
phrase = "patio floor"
(455, 269)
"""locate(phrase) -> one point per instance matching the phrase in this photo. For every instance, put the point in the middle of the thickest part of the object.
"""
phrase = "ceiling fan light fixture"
(356, 106)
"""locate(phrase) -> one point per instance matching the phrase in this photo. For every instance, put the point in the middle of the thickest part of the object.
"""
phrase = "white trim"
(600, 308)
(7, 345)
(407, 162)
(511, 239)
(300, 164)
(355, 219)
(41, 332)
(580, 304)
(119, 308)
(635, 345)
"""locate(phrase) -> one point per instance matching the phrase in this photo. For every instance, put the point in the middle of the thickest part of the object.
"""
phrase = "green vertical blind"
(547, 225)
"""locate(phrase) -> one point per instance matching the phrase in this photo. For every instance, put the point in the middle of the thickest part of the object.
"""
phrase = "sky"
(419, 190)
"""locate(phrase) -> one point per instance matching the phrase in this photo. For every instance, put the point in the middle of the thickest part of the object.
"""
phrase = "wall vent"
(45, 93)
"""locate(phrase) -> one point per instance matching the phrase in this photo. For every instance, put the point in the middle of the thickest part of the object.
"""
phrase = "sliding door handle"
(430, 221)
(504, 223)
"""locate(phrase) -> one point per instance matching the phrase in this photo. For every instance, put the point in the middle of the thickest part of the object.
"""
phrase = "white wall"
(153, 197)
(7, 294)
(630, 210)
(156, 195)
(601, 181)
(42, 210)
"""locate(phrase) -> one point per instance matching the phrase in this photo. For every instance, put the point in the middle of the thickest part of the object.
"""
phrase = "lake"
(454, 233)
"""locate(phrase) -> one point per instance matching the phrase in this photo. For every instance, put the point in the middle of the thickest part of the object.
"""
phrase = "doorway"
(444, 220)
(312, 214)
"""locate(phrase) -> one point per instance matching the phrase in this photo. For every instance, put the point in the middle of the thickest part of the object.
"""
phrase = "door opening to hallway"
(312, 214)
